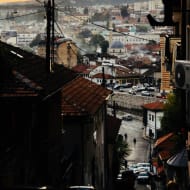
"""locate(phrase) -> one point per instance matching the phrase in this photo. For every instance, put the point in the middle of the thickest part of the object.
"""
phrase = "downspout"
(106, 160)
(155, 130)
(82, 152)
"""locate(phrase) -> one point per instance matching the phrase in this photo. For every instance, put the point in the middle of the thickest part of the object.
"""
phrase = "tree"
(86, 33)
(172, 120)
(121, 151)
(124, 11)
(86, 10)
(104, 46)
(99, 40)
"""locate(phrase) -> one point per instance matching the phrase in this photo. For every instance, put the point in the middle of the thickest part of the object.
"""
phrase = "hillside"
(74, 2)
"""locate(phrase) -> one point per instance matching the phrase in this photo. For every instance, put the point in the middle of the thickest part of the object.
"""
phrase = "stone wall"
(130, 103)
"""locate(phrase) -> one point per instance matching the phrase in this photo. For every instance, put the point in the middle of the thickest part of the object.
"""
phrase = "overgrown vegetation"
(121, 151)
(173, 119)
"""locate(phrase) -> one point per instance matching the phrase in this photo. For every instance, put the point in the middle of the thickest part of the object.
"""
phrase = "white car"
(143, 166)
(146, 93)
(143, 177)
(131, 91)
(88, 187)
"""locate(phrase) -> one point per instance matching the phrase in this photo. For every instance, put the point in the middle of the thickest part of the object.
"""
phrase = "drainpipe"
(155, 131)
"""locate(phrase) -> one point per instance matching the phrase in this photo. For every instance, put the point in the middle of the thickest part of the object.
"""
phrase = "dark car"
(25, 187)
(143, 177)
(125, 180)
(127, 117)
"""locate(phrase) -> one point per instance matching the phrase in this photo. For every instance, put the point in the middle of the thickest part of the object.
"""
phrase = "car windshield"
(143, 174)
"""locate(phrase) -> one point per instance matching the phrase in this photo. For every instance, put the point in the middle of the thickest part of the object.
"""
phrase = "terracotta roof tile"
(100, 75)
(81, 96)
(166, 146)
(163, 139)
(155, 106)
(165, 154)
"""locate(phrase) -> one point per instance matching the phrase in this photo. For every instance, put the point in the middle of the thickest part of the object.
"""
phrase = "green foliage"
(86, 10)
(99, 40)
(100, 17)
(172, 120)
(121, 151)
(142, 28)
(85, 33)
(104, 46)
(124, 11)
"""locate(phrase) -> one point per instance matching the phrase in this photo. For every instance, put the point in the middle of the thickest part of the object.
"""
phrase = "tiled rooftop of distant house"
(83, 97)
(155, 106)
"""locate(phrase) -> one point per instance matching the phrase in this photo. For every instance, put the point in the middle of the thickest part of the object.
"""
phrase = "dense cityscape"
(94, 95)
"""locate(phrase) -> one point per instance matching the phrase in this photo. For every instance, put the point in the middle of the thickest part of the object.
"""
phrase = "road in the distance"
(140, 150)
(134, 129)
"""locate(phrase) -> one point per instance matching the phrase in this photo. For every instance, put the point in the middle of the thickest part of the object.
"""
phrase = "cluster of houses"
(54, 127)
(54, 124)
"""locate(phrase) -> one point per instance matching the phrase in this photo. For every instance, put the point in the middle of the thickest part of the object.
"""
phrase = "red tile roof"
(80, 68)
(155, 106)
(82, 97)
(166, 146)
(100, 75)
(165, 154)
(163, 139)
(85, 69)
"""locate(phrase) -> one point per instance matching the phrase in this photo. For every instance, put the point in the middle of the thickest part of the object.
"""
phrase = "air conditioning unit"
(182, 74)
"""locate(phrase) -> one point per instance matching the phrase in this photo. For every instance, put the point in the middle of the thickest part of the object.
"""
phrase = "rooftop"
(82, 97)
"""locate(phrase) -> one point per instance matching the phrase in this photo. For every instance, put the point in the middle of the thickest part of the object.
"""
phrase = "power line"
(115, 31)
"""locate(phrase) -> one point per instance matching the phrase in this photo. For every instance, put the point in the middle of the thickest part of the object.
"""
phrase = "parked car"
(126, 180)
(88, 187)
(146, 93)
(143, 177)
(132, 167)
(131, 91)
(144, 165)
(26, 187)
(127, 117)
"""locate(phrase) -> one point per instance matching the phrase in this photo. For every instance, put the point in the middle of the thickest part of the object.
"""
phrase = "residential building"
(85, 135)
(24, 39)
(152, 115)
(65, 51)
(31, 123)
(179, 19)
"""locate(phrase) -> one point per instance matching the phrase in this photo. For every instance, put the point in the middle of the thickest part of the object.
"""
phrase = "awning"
(179, 160)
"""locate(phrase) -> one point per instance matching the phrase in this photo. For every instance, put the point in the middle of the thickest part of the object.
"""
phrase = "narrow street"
(140, 149)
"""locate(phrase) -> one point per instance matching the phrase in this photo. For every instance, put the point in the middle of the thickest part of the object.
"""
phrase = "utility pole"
(50, 5)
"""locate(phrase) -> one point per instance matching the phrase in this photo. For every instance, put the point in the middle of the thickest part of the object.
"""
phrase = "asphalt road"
(139, 150)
